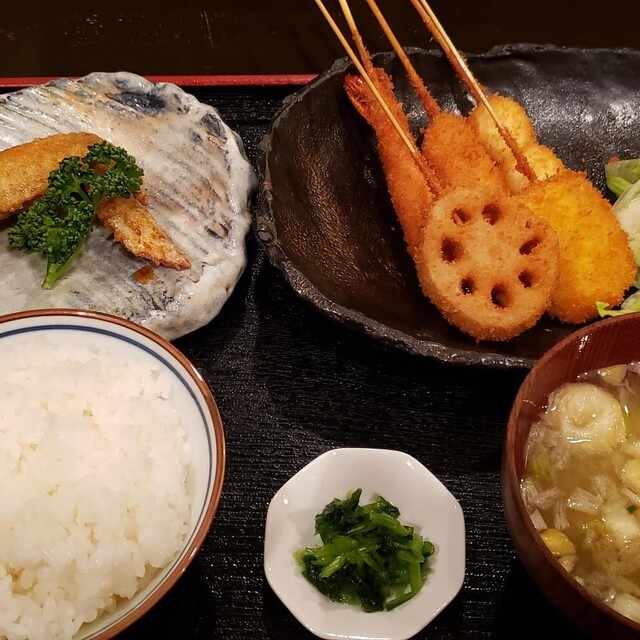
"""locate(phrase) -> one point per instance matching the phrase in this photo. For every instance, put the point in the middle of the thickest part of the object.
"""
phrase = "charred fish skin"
(198, 180)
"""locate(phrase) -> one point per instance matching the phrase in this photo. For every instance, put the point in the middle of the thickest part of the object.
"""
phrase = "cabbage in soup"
(582, 483)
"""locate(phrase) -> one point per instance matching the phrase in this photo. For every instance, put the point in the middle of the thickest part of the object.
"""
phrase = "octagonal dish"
(424, 502)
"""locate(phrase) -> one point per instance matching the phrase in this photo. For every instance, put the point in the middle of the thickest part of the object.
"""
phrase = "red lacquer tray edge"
(187, 80)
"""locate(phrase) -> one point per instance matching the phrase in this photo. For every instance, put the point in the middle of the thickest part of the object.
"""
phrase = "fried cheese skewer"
(494, 303)
(596, 262)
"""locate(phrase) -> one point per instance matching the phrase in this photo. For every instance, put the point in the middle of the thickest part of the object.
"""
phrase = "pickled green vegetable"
(367, 557)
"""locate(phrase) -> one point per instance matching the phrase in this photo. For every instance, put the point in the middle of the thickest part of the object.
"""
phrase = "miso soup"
(582, 483)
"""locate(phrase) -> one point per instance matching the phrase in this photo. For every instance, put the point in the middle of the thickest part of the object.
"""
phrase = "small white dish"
(424, 502)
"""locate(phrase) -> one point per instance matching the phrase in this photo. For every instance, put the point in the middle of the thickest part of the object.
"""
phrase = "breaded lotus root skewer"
(595, 262)
(134, 227)
(487, 263)
(25, 168)
(542, 159)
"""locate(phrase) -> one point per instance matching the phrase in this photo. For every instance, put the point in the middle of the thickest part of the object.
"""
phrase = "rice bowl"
(111, 462)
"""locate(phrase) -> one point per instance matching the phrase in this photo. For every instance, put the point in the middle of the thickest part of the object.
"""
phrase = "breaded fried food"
(410, 194)
(513, 116)
(596, 262)
(456, 154)
(24, 169)
(487, 263)
(134, 227)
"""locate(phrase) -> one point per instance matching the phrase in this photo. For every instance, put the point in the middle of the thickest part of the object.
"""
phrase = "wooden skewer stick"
(426, 170)
(431, 106)
(357, 38)
(465, 74)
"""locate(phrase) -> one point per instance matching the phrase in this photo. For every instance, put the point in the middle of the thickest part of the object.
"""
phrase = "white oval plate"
(424, 502)
(199, 184)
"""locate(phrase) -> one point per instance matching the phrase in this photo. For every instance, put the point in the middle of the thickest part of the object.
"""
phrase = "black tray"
(292, 384)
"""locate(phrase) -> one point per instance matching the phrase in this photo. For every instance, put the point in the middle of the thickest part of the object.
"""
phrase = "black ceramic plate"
(325, 216)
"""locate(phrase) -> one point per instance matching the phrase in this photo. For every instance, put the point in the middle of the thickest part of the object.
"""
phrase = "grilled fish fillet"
(24, 169)
(133, 226)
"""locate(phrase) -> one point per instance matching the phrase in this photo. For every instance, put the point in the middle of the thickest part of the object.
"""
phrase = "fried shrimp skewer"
(411, 194)
(596, 262)
(459, 217)
(411, 182)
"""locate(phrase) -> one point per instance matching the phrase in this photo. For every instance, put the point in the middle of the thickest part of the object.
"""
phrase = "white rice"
(93, 477)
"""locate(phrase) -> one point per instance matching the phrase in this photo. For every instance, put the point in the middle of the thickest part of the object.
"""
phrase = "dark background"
(220, 37)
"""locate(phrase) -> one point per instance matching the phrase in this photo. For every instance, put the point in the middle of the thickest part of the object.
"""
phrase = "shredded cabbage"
(623, 179)
(621, 174)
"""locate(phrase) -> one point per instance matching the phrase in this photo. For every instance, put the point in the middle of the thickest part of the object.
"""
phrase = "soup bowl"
(604, 343)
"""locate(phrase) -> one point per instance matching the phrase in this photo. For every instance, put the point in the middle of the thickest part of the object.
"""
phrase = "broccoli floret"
(115, 172)
(57, 224)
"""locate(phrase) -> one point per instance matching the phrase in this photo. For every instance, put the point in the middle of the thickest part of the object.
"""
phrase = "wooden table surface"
(290, 383)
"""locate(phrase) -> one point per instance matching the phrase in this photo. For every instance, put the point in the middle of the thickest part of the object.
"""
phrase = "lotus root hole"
(526, 279)
(467, 286)
(460, 217)
(529, 246)
(451, 250)
(491, 213)
(500, 296)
